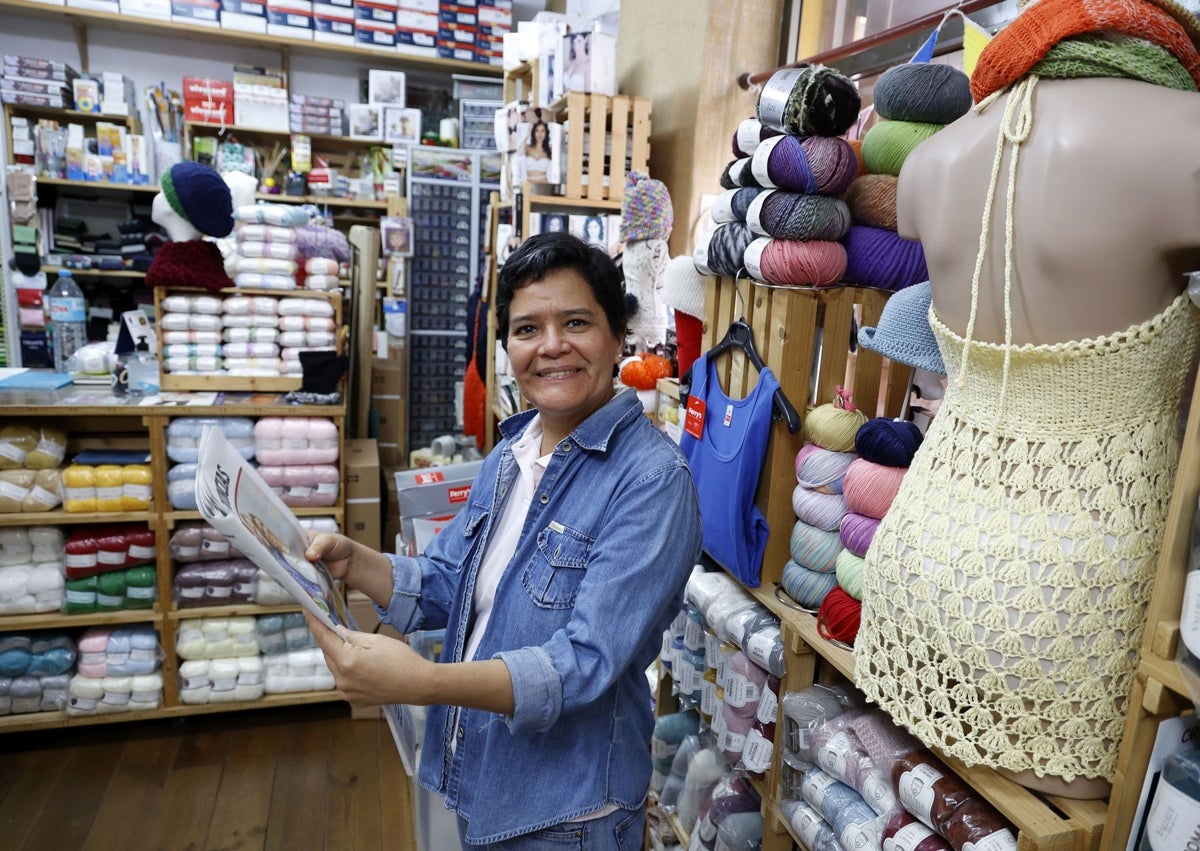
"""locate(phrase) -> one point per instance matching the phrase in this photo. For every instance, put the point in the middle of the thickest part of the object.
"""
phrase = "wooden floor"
(304, 778)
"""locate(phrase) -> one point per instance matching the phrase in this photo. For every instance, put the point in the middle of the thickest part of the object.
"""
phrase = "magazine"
(235, 500)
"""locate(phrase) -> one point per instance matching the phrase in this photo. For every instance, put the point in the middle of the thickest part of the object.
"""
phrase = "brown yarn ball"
(872, 200)
(856, 144)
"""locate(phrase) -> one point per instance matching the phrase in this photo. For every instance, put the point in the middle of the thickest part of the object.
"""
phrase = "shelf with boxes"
(194, 599)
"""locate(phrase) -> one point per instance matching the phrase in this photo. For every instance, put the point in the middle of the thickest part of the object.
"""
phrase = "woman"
(554, 583)
(537, 153)
(593, 231)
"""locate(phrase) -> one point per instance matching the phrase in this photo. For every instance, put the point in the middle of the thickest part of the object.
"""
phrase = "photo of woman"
(577, 64)
(538, 153)
(593, 232)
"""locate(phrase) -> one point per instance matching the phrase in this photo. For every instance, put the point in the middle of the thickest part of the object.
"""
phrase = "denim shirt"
(609, 541)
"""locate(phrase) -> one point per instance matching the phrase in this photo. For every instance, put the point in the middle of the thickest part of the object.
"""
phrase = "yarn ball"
(749, 133)
(822, 469)
(925, 92)
(732, 204)
(883, 259)
(200, 196)
(813, 548)
(849, 573)
(792, 215)
(871, 200)
(821, 102)
(833, 427)
(794, 263)
(871, 488)
(857, 532)
(889, 442)
(643, 373)
(810, 164)
(839, 616)
(823, 510)
(807, 588)
(922, 838)
(738, 173)
(887, 144)
(856, 146)
(683, 286)
(727, 248)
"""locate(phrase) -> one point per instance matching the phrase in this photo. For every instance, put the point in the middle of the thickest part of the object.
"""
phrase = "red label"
(693, 421)
(459, 494)
(429, 478)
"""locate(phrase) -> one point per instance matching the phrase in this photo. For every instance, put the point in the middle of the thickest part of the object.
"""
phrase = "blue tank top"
(726, 463)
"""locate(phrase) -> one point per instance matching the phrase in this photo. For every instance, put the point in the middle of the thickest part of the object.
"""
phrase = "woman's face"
(594, 230)
(561, 349)
(539, 133)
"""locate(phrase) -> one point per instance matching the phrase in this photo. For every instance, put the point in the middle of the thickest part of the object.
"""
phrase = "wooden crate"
(803, 335)
(599, 127)
(174, 382)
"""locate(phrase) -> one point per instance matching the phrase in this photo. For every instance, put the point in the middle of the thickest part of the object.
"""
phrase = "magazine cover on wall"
(540, 154)
(507, 128)
(591, 229)
(397, 233)
(385, 87)
(401, 125)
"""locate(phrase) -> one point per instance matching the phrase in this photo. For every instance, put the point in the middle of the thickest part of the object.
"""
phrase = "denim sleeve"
(423, 588)
(636, 571)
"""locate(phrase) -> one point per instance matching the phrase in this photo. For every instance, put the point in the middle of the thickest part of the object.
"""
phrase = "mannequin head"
(194, 202)
(177, 227)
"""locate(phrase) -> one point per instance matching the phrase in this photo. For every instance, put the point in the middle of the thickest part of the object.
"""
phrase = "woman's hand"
(371, 669)
(337, 551)
(352, 563)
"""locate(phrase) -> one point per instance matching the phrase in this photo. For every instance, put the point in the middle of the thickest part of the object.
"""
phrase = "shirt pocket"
(555, 571)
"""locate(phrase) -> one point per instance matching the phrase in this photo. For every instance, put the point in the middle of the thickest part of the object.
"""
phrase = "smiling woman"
(583, 516)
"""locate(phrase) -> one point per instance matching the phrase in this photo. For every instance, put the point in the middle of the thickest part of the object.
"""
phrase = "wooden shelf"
(216, 35)
(178, 516)
(322, 201)
(72, 115)
(95, 273)
(320, 141)
(56, 620)
(41, 518)
(97, 185)
(561, 201)
(233, 611)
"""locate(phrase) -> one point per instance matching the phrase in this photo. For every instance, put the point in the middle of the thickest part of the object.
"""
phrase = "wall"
(686, 55)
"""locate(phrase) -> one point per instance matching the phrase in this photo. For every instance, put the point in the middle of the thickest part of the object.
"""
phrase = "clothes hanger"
(740, 336)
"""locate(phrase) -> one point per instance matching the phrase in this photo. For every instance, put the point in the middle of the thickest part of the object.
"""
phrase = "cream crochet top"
(1005, 590)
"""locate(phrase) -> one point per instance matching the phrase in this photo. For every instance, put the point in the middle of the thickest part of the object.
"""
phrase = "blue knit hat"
(903, 334)
(200, 195)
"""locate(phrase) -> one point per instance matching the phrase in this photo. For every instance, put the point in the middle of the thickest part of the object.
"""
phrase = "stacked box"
(244, 15)
(96, 5)
(37, 82)
(323, 116)
(416, 28)
(203, 13)
(375, 23)
(207, 101)
(147, 8)
(260, 97)
(495, 22)
(290, 19)
(333, 22)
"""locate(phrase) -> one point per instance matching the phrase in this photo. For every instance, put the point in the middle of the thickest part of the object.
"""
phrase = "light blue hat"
(903, 334)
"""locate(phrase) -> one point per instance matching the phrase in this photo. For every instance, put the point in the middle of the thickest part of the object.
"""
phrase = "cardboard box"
(389, 391)
(363, 502)
(428, 498)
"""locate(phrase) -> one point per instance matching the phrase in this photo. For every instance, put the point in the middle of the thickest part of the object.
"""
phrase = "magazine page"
(234, 500)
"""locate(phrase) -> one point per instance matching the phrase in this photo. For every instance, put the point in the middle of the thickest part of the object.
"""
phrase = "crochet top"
(1005, 590)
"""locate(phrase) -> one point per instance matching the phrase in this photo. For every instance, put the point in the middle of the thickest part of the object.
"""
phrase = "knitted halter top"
(1005, 590)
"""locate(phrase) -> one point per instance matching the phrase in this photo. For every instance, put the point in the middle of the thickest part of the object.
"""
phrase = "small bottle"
(143, 371)
(68, 319)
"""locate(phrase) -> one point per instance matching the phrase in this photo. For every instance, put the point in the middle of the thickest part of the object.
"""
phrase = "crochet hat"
(198, 194)
(1185, 13)
(646, 209)
(903, 334)
(683, 286)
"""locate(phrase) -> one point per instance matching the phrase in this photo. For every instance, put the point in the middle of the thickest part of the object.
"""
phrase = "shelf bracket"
(285, 59)
(81, 42)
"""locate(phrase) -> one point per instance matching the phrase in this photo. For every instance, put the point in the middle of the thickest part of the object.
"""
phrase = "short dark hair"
(547, 252)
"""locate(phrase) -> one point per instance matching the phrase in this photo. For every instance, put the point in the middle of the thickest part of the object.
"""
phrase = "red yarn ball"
(839, 616)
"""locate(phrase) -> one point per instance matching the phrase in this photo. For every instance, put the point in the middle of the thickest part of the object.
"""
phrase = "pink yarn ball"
(870, 488)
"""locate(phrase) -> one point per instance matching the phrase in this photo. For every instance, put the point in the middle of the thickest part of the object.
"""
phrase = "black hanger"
(741, 336)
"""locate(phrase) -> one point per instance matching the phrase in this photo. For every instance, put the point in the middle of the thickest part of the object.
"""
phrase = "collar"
(594, 432)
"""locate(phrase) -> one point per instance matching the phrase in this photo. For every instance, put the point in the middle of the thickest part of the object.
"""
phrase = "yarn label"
(761, 159)
(1003, 840)
(832, 755)
(693, 422)
(773, 100)
(815, 786)
(907, 838)
(1174, 820)
(749, 135)
(916, 790)
(700, 254)
(752, 257)
(807, 823)
(757, 753)
(728, 418)
(761, 644)
(754, 213)
(768, 707)
(722, 207)
(1189, 621)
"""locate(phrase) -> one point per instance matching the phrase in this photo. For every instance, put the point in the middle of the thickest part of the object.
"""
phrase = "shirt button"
(544, 498)
(461, 733)
(565, 447)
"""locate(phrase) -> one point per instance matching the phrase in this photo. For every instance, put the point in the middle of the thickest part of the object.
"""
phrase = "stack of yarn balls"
(915, 100)
(780, 218)
(819, 502)
(885, 449)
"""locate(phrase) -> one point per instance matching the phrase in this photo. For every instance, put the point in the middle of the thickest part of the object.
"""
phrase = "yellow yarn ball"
(832, 427)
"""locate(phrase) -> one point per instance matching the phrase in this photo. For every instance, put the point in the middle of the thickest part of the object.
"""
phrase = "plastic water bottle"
(68, 319)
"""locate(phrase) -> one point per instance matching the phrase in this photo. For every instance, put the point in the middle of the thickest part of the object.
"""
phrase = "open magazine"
(239, 504)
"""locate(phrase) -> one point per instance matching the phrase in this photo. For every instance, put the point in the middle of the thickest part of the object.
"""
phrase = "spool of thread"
(822, 469)
(796, 216)
(849, 572)
(833, 425)
(807, 587)
(811, 100)
(857, 532)
(727, 248)
(789, 263)
(883, 259)
(815, 549)
(839, 617)
(823, 510)
(887, 144)
(871, 200)
(925, 92)
(810, 164)
(747, 136)
(870, 488)
(906, 833)
(889, 442)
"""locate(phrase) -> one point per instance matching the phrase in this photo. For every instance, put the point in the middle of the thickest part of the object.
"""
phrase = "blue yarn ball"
(807, 587)
(891, 443)
(925, 92)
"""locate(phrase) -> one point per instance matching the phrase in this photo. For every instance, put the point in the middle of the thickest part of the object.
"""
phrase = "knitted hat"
(198, 194)
(646, 209)
(683, 286)
(903, 334)
(1183, 12)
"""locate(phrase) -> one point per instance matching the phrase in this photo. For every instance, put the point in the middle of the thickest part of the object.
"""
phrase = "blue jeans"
(621, 830)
